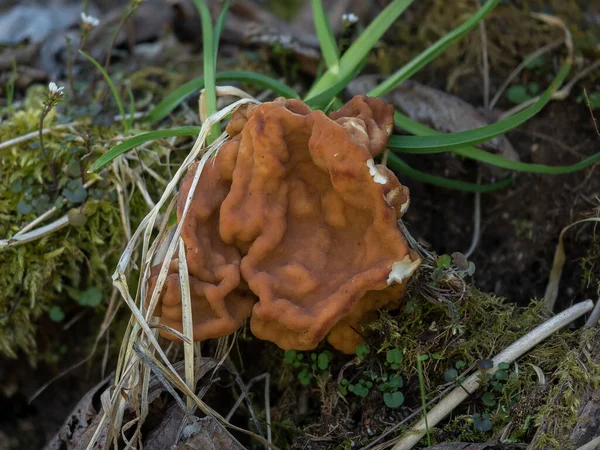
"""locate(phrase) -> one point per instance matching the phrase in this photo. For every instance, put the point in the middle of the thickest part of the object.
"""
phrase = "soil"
(520, 226)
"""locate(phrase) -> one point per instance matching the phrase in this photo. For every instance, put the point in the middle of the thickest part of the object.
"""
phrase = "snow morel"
(294, 225)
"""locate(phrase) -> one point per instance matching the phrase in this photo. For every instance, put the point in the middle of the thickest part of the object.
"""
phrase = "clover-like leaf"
(393, 399)
(92, 296)
(56, 314)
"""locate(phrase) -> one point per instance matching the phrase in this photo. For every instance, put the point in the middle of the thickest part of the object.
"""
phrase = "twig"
(558, 263)
(35, 234)
(508, 355)
(28, 137)
(476, 219)
(594, 316)
(245, 390)
(592, 445)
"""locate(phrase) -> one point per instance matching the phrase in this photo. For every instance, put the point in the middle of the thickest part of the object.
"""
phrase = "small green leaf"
(482, 422)
(503, 366)
(76, 217)
(56, 314)
(394, 356)
(443, 262)
(471, 269)
(594, 100)
(323, 361)
(92, 296)
(460, 364)
(423, 357)
(488, 399)
(501, 375)
(518, 94)
(360, 390)
(304, 377)
(289, 356)
(393, 399)
(450, 375)
(396, 381)
(16, 186)
(24, 208)
(533, 87)
(362, 350)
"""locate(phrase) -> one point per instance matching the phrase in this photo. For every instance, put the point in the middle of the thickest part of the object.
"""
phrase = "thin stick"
(510, 354)
(594, 316)
(476, 219)
(592, 445)
(35, 234)
(33, 135)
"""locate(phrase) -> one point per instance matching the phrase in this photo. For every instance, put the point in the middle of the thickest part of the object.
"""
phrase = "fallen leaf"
(443, 112)
(206, 434)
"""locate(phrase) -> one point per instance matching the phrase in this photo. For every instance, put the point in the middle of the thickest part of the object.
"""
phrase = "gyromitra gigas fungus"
(293, 224)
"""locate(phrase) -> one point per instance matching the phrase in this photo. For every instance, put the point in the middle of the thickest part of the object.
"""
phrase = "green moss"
(458, 327)
(52, 271)
(512, 33)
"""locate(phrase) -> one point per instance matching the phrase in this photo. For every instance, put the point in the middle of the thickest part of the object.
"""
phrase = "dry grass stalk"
(140, 354)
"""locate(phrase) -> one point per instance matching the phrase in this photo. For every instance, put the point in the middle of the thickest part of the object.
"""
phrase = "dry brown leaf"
(206, 434)
(78, 429)
(557, 266)
(443, 112)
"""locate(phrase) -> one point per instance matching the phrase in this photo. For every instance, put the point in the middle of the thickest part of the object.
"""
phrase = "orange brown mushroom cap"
(294, 224)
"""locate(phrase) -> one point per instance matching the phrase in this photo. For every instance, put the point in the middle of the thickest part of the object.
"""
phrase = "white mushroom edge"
(402, 269)
(378, 177)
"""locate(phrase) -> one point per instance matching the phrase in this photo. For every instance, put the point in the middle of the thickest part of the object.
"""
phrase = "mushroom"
(294, 225)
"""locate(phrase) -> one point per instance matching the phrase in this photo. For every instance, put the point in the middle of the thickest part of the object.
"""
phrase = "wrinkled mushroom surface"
(294, 225)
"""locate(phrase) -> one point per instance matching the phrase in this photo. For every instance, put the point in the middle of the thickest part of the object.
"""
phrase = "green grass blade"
(219, 25)
(325, 35)
(454, 141)
(140, 139)
(209, 57)
(361, 47)
(111, 85)
(399, 166)
(322, 99)
(433, 51)
(499, 161)
(175, 98)
(257, 79)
